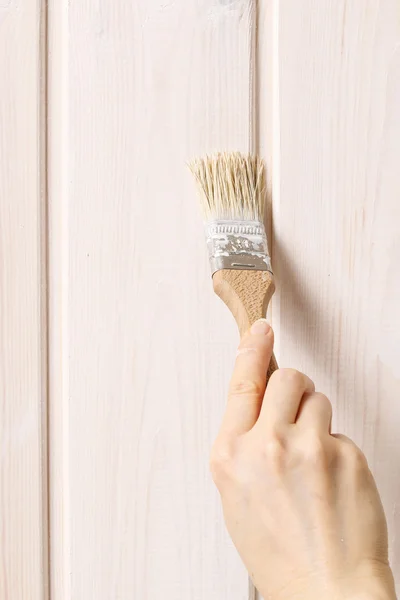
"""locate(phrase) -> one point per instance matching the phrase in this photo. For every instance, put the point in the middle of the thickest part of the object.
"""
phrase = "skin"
(300, 504)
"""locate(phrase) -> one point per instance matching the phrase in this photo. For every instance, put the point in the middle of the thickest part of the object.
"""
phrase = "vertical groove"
(267, 117)
(57, 136)
(276, 148)
(44, 284)
(253, 594)
(254, 74)
(254, 126)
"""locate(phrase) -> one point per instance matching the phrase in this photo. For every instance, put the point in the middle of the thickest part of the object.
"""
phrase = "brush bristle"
(232, 186)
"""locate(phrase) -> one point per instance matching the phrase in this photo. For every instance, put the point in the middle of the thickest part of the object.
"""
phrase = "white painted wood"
(58, 267)
(23, 381)
(146, 348)
(336, 246)
(268, 123)
(140, 348)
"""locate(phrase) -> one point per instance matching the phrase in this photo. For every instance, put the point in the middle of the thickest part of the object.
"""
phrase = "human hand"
(300, 504)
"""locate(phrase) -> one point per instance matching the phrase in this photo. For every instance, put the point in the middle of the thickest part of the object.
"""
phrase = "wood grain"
(58, 290)
(336, 211)
(23, 431)
(149, 85)
(140, 348)
(247, 295)
(267, 110)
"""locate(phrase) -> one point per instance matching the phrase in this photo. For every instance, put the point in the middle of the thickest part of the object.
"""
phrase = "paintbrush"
(232, 190)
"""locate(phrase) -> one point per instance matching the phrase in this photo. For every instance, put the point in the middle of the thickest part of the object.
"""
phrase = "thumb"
(249, 379)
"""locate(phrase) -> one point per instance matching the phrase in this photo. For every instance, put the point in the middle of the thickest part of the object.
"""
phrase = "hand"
(300, 504)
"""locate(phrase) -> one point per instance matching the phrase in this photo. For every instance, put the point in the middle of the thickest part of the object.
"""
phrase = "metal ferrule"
(237, 245)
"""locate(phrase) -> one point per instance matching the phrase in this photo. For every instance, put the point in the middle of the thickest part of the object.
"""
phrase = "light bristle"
(232, 186)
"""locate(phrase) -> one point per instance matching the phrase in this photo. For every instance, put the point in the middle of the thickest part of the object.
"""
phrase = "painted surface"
(23, 386)
(139, 349)
(336, 242)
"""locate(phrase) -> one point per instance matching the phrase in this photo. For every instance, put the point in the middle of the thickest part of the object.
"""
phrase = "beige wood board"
(23, 382)
(336, 214)
(140, 348)
(146, 347)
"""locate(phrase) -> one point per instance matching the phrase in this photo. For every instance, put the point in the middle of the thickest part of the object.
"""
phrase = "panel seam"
(44, 288)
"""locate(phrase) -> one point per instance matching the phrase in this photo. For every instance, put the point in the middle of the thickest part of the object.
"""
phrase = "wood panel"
(146, 346)
(336, 212)
(268, 124)
(23, 494)
(58, 273)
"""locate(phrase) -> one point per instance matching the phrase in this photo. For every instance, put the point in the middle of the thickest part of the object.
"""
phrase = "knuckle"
(355, 458)
(221, 459)
(245, 387)
(324, 400)
(315, 449)
(275, 376)
(275, 452)
(291, 376)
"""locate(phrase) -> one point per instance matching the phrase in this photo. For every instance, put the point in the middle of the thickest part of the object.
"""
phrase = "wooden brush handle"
(247, 295)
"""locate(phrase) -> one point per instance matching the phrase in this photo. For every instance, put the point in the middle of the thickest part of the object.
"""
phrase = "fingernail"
(260, 327)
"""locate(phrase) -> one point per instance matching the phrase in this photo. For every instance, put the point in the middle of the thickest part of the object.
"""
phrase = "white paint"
(336, 247)
(58, 172)
(18, 437)
(236, 239)
(23, 394)
(6, 5)
(246, 351)
(389, 351)
(144, 518)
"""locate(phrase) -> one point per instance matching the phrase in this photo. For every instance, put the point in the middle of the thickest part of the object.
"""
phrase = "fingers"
(346, 440)
(347, 444)
(283, 397)
(315, 412)
(248, 381)
(351, 453)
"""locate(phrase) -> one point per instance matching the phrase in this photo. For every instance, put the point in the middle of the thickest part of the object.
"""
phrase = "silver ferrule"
(237, 245)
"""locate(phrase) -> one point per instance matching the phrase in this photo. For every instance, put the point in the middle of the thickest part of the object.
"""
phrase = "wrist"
(377, 585)
(374, 596)
(381, 590)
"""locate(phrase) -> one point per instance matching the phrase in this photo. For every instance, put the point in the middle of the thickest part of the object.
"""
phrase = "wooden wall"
(115, 354)
(23, 332)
